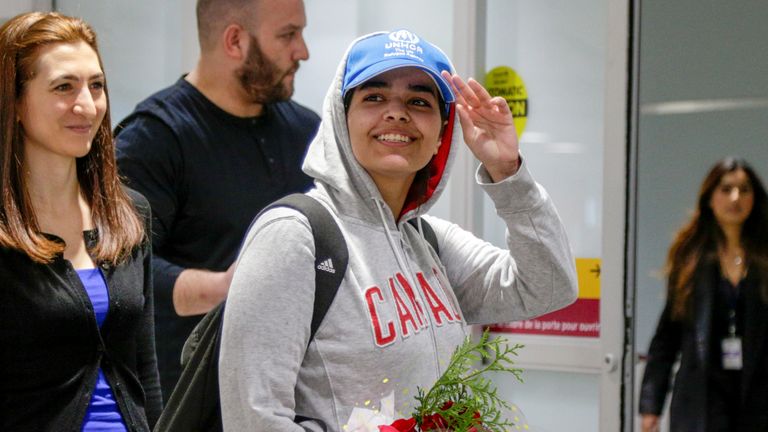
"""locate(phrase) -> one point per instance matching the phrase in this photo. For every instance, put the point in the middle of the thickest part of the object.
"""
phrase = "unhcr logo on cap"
(403, 36)
(403, 43)
(380, 52)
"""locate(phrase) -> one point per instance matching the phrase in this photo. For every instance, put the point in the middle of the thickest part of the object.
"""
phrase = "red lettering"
(433, 300)
(412, 297)
(402, 310)
(381, 340)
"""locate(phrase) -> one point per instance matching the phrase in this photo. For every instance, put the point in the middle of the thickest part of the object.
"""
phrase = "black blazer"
(691, 340)
(52, 347)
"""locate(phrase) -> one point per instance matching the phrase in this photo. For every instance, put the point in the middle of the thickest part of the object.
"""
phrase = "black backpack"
(194, 405)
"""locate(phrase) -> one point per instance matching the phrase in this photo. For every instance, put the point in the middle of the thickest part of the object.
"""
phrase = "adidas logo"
(326, 265)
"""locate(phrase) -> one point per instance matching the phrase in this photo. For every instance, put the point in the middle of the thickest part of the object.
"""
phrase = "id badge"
(731, 353)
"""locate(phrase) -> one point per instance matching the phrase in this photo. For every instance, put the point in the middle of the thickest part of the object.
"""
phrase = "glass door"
(562, 66)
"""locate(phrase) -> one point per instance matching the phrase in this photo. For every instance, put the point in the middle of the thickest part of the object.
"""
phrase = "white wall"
(558, 47)
(145, 45)
(327, 36)
(11, 8)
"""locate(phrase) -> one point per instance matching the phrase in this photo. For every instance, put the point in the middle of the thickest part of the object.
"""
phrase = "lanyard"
(732, 298)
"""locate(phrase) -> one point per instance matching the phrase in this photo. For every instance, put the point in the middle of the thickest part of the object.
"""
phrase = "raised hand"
(489, 129)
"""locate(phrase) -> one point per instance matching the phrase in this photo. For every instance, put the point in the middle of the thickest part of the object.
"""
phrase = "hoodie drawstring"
(392, 245)
(404, 269)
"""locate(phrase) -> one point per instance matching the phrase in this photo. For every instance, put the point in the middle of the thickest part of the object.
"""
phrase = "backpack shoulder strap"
(429, 233)
(331, 254)
(194, 403)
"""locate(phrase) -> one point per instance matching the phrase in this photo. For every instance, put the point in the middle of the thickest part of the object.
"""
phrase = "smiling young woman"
(63, 104)
(76, 315)
(394, 126)
(390, 128)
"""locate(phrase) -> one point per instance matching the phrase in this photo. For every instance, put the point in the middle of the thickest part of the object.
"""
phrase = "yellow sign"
(505, 82)
(588, 272)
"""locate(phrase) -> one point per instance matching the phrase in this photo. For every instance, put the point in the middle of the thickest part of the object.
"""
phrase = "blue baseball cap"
(382, 52)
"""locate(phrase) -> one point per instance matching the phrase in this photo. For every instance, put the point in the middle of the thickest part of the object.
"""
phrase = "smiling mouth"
(396, 138)
(80, 129)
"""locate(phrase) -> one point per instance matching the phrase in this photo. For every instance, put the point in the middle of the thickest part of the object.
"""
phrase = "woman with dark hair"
(76, 317)
(394, 118)
(716, 313)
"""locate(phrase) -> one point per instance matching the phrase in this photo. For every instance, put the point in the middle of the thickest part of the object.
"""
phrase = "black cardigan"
(52, 347)
(691, 340)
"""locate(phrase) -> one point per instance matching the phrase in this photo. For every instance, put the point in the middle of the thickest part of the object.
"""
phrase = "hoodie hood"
(402, 306)
(331, 162)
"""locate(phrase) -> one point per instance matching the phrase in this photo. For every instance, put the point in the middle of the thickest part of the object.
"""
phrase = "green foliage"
(462, 392)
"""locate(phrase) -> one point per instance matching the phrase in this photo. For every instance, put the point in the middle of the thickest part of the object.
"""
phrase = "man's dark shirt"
(206, 174)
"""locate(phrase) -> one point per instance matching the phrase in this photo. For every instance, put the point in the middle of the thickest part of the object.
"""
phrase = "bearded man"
(213, 149)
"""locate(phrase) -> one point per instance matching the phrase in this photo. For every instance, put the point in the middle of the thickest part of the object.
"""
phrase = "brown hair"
(119, 227)
(697, 241)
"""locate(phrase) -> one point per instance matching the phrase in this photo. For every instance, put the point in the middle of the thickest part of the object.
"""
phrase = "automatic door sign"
(505, 82)
(581, 319)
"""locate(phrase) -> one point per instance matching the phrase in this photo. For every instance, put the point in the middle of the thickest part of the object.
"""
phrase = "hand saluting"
(489, 129)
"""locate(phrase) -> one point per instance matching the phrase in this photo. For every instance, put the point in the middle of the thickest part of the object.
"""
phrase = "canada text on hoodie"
(400, 311)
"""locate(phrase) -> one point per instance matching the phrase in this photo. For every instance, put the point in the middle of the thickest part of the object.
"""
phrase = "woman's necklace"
(732, 266)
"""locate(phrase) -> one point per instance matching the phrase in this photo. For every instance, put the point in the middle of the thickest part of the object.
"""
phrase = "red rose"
(400, 425)
(428, 422)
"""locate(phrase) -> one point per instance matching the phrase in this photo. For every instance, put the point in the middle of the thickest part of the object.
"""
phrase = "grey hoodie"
(400, 311)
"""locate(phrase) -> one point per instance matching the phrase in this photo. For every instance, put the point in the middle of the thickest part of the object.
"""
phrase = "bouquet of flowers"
(462, 399)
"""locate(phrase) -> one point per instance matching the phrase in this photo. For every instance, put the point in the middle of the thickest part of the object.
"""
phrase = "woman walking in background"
(76, 317)
(716, 315)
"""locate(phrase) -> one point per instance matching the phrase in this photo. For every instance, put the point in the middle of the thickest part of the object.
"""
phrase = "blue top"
(103, 414)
